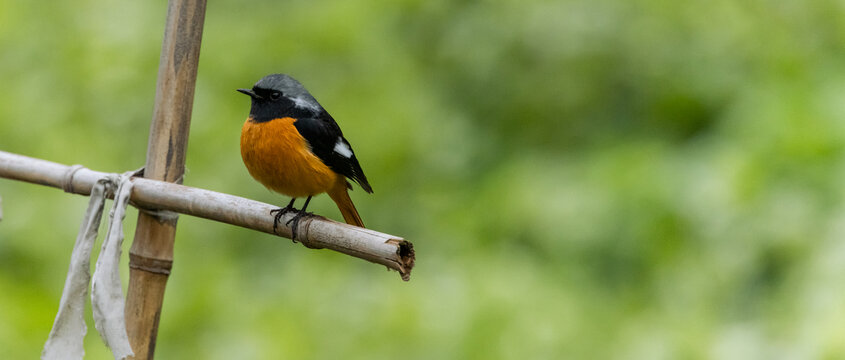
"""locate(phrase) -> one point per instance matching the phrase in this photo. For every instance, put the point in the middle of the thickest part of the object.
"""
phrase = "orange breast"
(279, 158)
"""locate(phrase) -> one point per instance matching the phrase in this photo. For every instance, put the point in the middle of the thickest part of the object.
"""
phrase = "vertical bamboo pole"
(151, 255)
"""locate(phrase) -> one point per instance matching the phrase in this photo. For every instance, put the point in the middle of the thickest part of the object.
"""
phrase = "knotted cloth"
(107, 302)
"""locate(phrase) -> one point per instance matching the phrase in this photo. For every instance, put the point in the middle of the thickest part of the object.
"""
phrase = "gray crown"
(289, 87)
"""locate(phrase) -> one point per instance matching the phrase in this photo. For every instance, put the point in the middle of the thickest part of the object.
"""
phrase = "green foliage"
(581, 179)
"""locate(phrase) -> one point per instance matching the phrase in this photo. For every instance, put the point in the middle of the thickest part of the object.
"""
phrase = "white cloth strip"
(66, 337)
(107, 299)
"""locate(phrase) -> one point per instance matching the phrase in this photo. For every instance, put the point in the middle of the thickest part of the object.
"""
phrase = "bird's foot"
(278, 213)
(295, 220)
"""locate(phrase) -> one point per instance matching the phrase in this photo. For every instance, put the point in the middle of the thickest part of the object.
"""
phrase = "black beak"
(251, 93)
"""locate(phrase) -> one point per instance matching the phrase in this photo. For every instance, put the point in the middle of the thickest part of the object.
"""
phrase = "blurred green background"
(581, 179)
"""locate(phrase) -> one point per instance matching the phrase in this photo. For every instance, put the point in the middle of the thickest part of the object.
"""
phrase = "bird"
(291, 145)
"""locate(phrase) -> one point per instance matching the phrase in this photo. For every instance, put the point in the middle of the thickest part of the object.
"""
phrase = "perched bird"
(291, 145)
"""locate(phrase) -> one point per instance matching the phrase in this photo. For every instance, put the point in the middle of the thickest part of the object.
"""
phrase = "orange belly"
(279, 158)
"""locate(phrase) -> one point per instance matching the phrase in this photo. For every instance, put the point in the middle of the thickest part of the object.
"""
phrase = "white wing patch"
(342, 149)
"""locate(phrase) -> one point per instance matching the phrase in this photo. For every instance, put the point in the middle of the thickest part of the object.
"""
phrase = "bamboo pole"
(316, 232)
(151, 255)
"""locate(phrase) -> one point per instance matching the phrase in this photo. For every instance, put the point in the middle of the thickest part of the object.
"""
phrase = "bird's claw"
(295, 220)
(278, 213)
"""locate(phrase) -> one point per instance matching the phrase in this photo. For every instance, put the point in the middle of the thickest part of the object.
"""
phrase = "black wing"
(327, 142)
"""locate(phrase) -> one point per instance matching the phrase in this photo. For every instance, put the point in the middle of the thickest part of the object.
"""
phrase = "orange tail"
(339, 194)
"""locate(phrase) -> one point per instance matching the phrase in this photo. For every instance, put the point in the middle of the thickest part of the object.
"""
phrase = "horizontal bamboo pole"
(314, 232)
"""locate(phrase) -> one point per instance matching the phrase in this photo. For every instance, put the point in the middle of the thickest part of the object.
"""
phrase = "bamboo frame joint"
(161, 216)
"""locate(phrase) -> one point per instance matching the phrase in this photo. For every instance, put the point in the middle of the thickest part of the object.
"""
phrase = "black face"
(268, 104)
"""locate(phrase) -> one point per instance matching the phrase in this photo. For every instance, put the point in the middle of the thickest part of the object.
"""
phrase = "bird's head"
(279, 95)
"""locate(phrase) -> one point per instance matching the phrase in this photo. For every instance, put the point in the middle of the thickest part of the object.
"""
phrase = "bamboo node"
(67, 179)
(148, 264)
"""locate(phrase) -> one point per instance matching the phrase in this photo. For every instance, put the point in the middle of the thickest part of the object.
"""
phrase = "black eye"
(275, 95)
